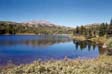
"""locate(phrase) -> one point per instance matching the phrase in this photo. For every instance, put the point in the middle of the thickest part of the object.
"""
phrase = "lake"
(23, 49)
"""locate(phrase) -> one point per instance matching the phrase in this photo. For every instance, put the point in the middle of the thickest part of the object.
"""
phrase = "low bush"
(109, 43)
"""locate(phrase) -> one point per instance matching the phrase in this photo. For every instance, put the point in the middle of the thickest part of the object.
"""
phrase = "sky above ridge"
(63, 12)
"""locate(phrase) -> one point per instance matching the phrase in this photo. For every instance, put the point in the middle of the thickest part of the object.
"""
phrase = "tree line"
(15, 28)
(103, 29)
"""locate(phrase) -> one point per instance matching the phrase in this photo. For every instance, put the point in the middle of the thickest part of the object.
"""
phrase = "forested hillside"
(94, 30)
(7, 27)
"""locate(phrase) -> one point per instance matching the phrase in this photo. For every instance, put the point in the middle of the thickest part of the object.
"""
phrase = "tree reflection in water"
(84, 45)
(41, 41)
(88, 45)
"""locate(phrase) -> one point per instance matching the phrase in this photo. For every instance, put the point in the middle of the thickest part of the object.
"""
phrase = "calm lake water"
(22, 49)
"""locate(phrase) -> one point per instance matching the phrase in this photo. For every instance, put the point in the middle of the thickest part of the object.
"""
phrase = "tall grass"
(100, 65)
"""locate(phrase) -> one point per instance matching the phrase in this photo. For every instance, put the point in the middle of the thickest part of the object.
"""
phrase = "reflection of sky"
(21, 53)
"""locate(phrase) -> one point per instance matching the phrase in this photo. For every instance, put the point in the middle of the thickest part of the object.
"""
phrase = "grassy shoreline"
(100, 65)
(97, 40)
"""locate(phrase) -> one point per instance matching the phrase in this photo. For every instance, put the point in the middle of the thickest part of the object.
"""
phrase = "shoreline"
(103, 42)
(35, 34)
(97, 40)
(100, 65)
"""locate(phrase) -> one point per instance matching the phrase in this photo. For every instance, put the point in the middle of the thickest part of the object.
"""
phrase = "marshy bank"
(97, 40)
(99, 65)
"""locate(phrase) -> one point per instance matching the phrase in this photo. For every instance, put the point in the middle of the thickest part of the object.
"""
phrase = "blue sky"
(63, 12)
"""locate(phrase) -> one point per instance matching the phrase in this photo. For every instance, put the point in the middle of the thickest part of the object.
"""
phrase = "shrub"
(100, 65)
(109, 43)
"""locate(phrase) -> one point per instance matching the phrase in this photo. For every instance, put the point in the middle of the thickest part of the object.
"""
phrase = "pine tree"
(77, 30)
(110, 28)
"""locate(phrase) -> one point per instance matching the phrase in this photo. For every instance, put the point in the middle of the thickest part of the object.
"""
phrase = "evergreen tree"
(110, 28)
(77, 30)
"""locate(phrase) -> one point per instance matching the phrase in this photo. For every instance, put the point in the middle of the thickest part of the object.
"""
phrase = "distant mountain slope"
(40, 23)
(35, 27)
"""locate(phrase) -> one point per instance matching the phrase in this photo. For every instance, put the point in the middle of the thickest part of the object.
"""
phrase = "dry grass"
(100, 65)
(99, 40)
(79, 37)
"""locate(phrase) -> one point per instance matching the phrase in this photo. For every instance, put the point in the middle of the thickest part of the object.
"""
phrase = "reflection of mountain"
(84, 44)
(22, 49)
(35, 42)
